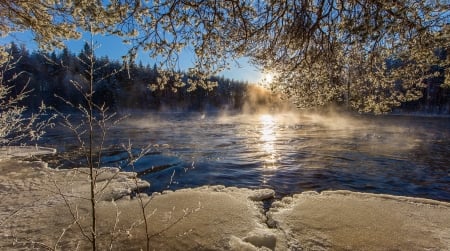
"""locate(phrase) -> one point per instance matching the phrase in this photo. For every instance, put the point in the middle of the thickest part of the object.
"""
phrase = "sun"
(268, 77)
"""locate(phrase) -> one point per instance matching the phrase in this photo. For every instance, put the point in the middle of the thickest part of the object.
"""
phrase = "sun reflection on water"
(268, 138)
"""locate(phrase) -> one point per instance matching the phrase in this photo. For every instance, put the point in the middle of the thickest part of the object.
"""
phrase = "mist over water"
(288, 152)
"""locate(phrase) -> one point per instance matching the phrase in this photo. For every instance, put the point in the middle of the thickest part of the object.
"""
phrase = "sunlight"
(268, 138)
(267, 120)
(267, 78)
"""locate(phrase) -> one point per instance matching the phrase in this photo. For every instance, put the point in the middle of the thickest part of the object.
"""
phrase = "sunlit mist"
(268, 78)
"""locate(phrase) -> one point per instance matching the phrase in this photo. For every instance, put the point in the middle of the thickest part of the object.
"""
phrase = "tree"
(323, 51)
(343, 51)
(15, 124)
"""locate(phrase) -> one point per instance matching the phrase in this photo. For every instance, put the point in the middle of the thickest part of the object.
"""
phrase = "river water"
(290, 153)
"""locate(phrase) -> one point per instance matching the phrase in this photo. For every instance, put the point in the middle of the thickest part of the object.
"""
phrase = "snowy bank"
(7, 152)
(344, 220)
(35, 213)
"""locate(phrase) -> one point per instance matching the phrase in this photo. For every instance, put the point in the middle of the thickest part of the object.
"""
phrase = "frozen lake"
(290, 153)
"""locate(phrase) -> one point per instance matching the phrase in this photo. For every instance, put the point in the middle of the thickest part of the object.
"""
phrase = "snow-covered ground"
(34, 213)
(7, 152)
(344, 220)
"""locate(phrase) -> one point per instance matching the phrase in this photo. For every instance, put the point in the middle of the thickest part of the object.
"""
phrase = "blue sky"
(114, 49)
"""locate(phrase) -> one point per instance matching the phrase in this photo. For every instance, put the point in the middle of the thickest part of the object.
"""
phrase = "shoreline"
(35, 214)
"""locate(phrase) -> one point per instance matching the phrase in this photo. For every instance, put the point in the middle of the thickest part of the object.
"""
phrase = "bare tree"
(90, 132)
(15, 125)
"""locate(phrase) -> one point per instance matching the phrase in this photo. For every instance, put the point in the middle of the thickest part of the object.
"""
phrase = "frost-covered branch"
(309, 44)
(16, 124)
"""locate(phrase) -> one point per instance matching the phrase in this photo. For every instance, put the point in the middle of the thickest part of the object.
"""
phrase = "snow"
(261, 194)
(124, 183)
(361, 221)
(34, 213)
(258, 239)
(7, 152)
(262, 238)
(237, 244)
(33, 210)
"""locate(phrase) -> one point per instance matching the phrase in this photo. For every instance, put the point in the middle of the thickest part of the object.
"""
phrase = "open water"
(290, 153)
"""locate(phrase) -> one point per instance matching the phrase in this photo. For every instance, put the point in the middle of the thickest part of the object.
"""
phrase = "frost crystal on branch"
(373, 55)
(15, 125)
(370, 54)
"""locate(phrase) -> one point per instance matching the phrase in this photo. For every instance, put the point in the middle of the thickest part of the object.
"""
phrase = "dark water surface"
(290, 153)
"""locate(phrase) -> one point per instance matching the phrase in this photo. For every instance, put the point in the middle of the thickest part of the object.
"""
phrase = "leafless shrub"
(15, 125)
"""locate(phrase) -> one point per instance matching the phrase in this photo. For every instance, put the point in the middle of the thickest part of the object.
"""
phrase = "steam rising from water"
(293, 151)
(271, 130)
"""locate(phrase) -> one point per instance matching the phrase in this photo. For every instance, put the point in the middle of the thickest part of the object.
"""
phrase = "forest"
(49, 77)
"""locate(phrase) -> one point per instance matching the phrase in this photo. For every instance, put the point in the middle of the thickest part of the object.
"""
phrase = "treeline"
(50, 75)
(50, 78)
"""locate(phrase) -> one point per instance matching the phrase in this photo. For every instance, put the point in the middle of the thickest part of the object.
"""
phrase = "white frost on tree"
(371, 54)
(15, 124)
